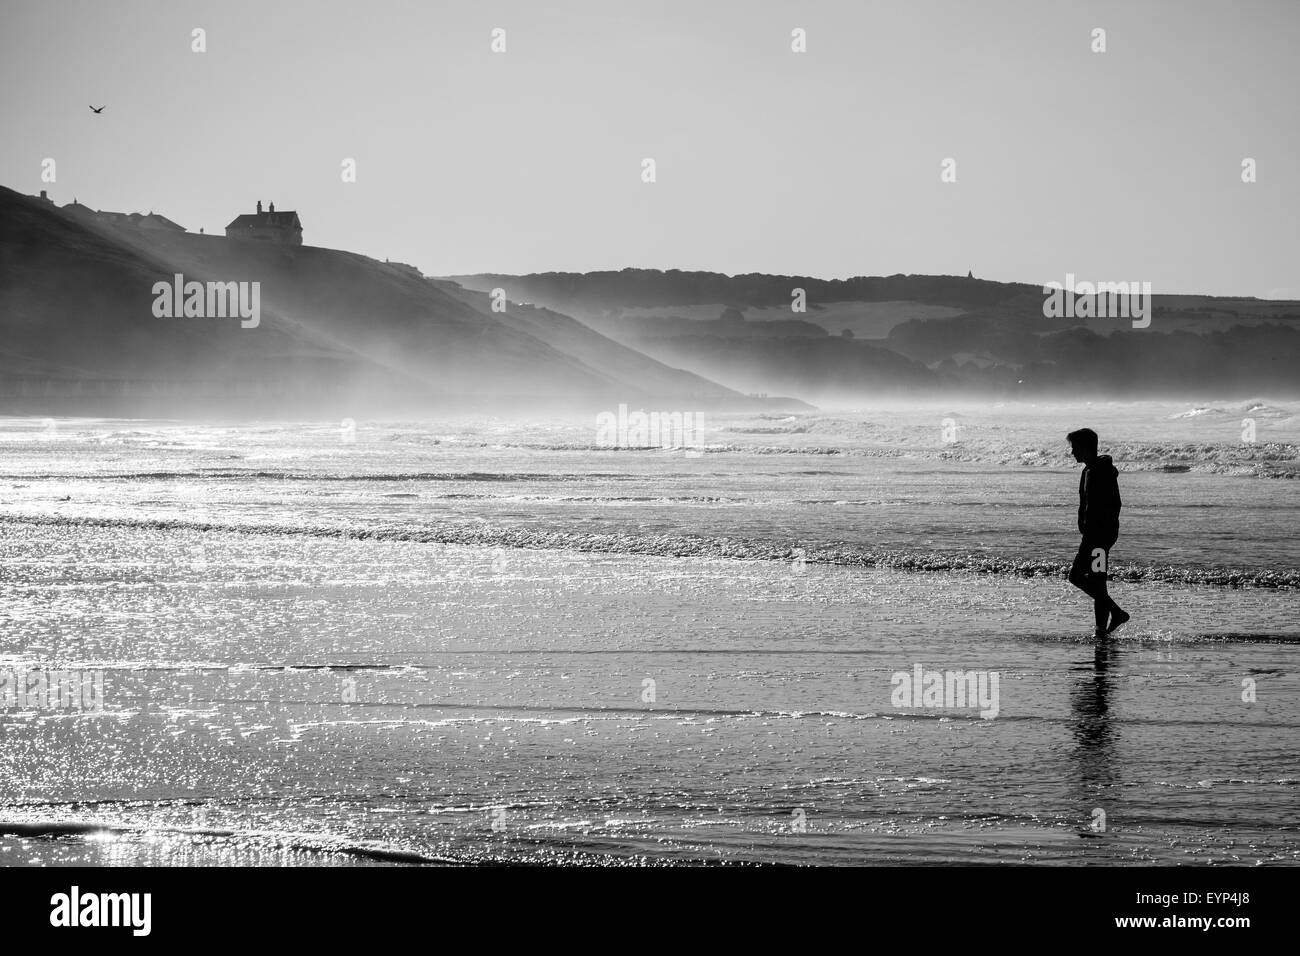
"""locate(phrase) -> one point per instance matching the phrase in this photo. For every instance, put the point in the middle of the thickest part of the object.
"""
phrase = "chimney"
(272, 207)
(43, 196)
(259, 207)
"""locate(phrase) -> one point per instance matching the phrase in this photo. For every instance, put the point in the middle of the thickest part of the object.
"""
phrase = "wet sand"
(333, 701)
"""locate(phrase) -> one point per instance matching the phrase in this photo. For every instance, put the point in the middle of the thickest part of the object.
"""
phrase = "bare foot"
(1117, 620)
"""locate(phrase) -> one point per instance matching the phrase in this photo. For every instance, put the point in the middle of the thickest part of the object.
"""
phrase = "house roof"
(122, 218)
(280, 219)
(154, 219)
(140, 219)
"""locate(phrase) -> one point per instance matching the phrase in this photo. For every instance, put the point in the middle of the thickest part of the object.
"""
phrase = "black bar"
(950, 906)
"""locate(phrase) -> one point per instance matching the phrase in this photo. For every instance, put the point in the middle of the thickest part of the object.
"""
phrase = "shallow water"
(328, 652)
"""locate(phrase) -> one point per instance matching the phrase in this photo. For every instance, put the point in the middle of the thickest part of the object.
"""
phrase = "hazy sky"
(1123, 165)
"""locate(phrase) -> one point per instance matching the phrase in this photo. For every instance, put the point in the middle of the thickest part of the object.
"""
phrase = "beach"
(490, 641)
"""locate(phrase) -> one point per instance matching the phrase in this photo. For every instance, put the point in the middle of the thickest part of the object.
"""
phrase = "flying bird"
(100, 110)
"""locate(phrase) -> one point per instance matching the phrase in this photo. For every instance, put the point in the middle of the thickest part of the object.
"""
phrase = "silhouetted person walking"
(1099, 506)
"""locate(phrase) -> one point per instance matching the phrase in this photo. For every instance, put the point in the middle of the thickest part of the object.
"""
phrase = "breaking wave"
(676, 545)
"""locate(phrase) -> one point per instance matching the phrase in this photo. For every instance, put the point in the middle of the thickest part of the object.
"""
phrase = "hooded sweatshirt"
(1099, 502)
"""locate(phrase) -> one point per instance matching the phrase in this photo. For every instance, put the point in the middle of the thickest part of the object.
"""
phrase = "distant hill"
(923, 335)
(777, 356)
(643, 288)
(338, 332)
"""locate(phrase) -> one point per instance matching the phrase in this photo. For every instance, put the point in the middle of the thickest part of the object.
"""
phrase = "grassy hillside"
(924, 334)
(337, 329)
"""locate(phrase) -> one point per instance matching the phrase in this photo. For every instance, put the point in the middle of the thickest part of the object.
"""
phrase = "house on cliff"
(270, 226)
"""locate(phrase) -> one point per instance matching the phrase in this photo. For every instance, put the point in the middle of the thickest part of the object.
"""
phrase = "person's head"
(1084, 444)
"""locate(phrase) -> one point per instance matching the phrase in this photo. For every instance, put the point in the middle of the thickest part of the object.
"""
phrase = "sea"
(823, 638)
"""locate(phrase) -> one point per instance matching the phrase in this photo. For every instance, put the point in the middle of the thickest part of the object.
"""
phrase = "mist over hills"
(343, 334)
(923, 335)
(338, 332)
(642, 288)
